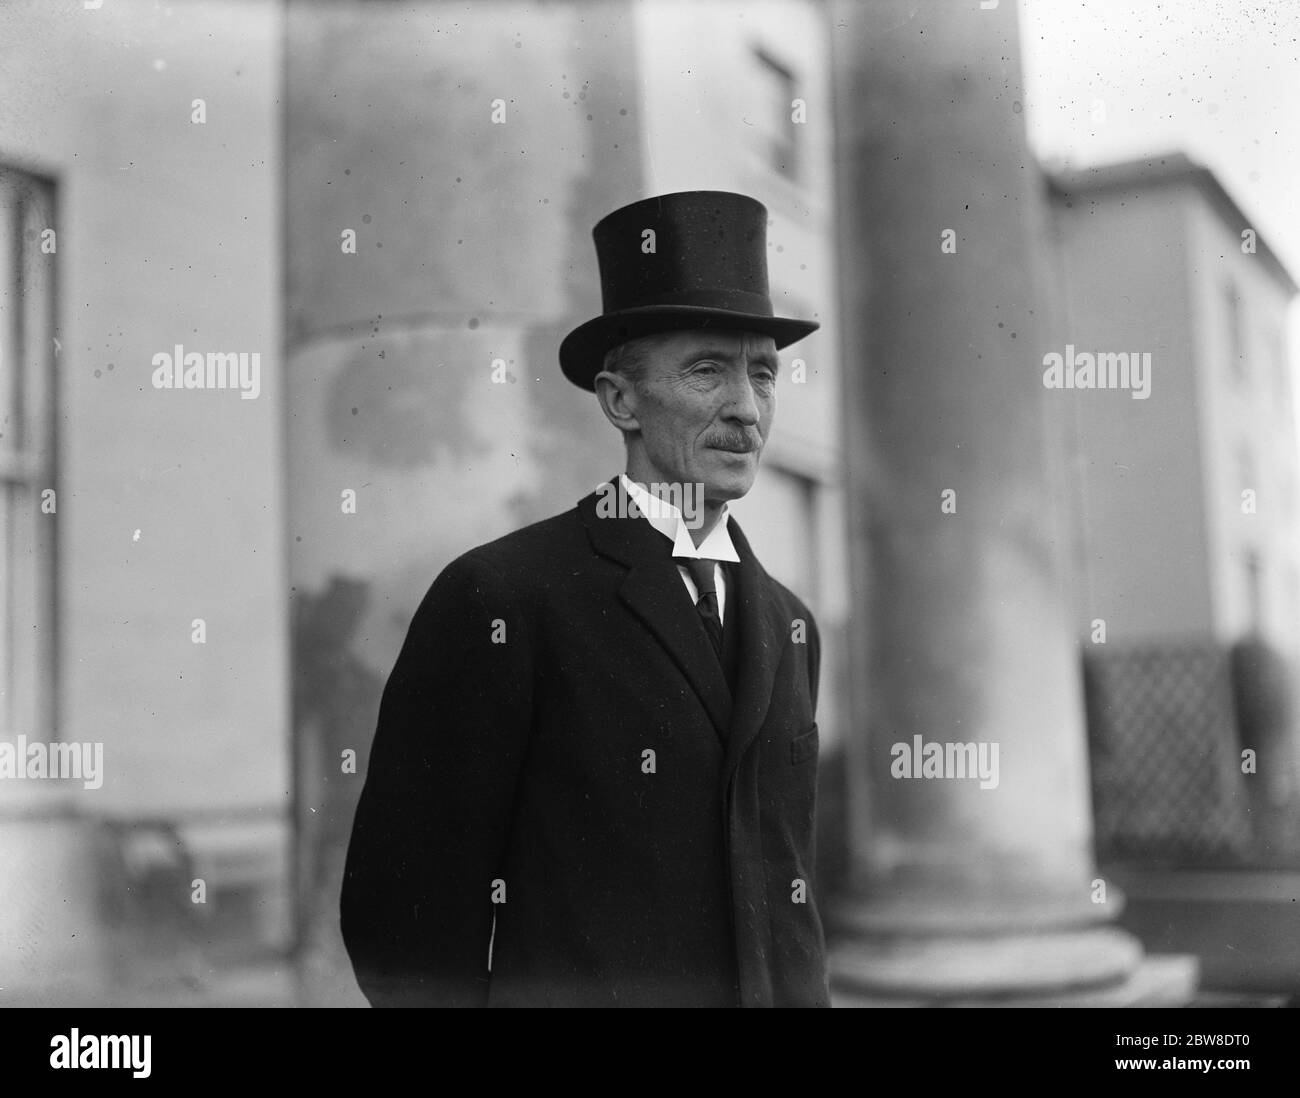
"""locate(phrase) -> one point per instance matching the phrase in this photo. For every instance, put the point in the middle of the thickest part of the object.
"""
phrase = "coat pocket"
(804, 746)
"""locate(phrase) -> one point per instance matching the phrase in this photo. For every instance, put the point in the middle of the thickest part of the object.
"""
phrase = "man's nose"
(741, 405)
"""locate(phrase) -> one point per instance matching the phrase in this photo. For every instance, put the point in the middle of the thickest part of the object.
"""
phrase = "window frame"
(28, 454)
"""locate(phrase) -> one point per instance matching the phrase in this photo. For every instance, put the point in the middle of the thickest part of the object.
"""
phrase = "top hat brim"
(582, 353)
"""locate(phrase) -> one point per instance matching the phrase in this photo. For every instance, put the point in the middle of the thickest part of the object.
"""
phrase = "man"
(594, 775)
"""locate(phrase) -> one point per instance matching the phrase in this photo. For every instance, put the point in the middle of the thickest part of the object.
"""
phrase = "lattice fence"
(1166, 764)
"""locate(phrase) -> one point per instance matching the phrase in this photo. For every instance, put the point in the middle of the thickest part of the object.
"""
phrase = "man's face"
(704, 406)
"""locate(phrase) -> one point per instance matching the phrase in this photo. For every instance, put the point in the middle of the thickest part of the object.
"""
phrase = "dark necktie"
(707, 604)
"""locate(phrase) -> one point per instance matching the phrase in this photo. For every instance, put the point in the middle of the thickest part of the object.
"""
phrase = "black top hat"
(704, 267)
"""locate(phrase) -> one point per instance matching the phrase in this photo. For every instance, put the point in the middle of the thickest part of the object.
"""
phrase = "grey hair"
(629, 359)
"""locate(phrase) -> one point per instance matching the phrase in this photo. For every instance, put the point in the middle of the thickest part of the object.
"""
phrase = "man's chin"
(726, 485)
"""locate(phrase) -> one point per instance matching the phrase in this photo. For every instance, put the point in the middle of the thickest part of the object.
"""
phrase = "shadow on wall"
(336, 704)
(160, 935)
(416, 412)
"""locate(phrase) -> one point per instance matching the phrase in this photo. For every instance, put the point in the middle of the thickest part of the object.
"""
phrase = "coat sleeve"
(431, 825)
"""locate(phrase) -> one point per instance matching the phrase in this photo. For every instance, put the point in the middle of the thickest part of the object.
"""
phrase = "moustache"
(739, 444)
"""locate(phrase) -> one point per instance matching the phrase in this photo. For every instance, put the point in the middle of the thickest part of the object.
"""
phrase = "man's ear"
(617, 396)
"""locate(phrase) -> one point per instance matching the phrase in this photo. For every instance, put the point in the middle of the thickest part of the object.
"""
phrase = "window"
(1236, 349)
(28, 248)
(772, 116)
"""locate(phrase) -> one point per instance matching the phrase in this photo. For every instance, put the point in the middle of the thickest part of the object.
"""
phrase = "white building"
(1188, 498)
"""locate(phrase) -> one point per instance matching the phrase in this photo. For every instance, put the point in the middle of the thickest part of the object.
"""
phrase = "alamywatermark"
(1129, 370)
(89, 1050)
(23, 761)
(955, 761)
(182, 369)
(688, 499)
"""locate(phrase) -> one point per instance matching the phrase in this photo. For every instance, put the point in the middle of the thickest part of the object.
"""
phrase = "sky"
(1217, 79)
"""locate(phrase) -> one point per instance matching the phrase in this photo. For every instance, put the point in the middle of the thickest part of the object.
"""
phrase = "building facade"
(1188, 496)
(141, 159)
(402, 244)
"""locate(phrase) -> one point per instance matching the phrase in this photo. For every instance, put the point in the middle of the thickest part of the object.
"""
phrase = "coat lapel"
(764, 629)
(654, 592)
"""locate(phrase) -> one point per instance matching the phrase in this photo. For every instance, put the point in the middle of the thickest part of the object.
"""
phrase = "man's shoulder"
(527, 552)
(787, 600)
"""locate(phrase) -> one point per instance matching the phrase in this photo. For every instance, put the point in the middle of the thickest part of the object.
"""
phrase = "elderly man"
(593, 781)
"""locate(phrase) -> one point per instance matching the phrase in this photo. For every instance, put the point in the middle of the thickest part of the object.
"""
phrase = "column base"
(1016, 963)
(1163, 980)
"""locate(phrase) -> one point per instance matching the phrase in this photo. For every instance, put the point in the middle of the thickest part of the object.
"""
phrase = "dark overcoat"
(561, 774)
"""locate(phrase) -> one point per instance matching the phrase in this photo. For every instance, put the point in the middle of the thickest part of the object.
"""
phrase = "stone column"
(957, 891)
(421, 373)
